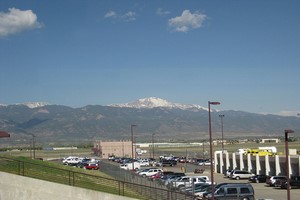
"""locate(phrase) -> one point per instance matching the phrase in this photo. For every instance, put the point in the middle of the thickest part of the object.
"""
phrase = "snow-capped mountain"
(34, 104)
(154, 102)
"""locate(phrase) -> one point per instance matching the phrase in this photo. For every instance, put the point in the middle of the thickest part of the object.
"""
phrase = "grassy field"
(191, 152)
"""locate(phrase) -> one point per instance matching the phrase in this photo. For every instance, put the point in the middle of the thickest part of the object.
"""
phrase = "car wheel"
(237, 178)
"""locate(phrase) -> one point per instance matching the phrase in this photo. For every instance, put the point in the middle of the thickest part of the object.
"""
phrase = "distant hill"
(170, 122)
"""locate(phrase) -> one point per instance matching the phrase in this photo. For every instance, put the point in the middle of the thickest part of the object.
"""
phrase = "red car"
(93, 166)
(156, 176)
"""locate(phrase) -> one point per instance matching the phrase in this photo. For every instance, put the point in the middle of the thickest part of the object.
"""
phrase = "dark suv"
(170, 163)
(258, 179)
(294, 182)
(275, 180)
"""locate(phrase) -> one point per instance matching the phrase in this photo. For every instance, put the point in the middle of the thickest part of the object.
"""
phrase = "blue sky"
(245, 54)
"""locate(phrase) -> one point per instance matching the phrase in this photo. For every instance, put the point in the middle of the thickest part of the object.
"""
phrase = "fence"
(125, 183)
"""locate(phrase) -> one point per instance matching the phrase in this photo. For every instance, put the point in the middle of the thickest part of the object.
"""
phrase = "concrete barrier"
(258, 164)
(24, 188)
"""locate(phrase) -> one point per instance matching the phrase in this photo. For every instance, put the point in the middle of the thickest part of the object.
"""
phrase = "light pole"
(210, 148)
(287, 163)
(132, 150)
(153, 145)
(33, 146)
(203, 149)
(222, 116)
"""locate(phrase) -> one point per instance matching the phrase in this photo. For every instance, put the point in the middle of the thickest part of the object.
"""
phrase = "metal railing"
(125, 183)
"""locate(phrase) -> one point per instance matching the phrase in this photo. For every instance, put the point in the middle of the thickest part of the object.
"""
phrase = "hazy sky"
(245, 54)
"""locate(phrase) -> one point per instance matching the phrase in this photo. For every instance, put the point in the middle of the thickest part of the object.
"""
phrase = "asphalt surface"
(262, 191)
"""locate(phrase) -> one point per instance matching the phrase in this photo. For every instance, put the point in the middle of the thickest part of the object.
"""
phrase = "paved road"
(261, 190)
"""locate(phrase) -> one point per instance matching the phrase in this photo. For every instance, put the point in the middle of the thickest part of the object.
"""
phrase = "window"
(220, 191)
(231, 191)
(245, 190)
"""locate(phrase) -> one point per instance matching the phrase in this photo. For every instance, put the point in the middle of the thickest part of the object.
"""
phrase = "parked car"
(232, 191)
(171, 179)
(156, 176)
(92, 166)
(187, 181)
(164, 163)
(274, 180)
(71, 161)
(144, 170)
(227, 173)
(201, 190)
(144, 163)
(205, 163)
(166, 173)
(150, 172)
(111, 158)
(81, 164)
(294, 182)
(258, 178)
(195, 187)
(239, 174)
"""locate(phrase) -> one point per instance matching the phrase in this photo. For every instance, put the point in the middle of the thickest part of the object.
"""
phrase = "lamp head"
(214, 103)
(288, 131)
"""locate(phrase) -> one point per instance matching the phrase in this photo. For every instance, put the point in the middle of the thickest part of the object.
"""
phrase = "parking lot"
(261, 190)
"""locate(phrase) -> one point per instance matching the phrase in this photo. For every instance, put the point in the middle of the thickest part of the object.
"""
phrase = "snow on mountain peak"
(34, 104)
(154, 102)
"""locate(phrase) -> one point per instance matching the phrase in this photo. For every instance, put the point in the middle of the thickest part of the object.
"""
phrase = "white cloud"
(129, 16)
(111, 13)
(161, 12)
(16, 20)
(187, 21)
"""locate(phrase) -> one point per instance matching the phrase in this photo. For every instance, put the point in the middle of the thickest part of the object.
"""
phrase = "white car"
(71, 160)
(144, 163)
(187, 181)
(150, 172)
(205, 163)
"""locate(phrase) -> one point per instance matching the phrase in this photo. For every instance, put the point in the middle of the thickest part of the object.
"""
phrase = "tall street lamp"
(132, 149)
(210, 147)
(33, 146)
(153, 145)
(222, 116)
(287, 163)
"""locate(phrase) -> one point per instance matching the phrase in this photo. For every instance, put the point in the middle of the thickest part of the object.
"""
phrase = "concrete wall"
(24, 188)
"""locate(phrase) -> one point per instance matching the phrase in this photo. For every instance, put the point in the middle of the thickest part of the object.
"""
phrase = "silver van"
(239, 174)
(228, 191)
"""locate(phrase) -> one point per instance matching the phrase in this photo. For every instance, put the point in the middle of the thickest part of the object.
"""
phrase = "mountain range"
(169, 121)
